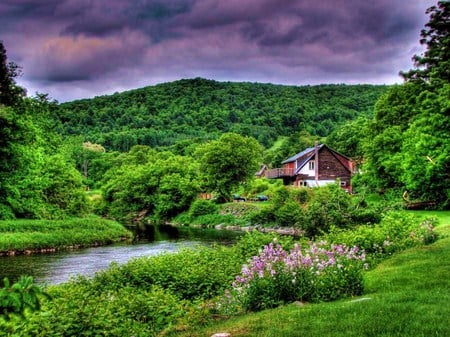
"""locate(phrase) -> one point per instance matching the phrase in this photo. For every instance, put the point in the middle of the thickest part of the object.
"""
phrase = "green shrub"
(300, 195)
(289, 214)
(199, 273)
(252, 243)
(329, 205)
(16, 298)
(76, 311)
(396, 231)
(202, 207)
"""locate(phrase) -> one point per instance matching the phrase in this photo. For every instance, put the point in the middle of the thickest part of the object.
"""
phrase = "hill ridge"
(198, 108)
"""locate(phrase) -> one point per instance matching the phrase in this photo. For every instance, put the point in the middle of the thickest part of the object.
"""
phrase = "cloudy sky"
(83, 48)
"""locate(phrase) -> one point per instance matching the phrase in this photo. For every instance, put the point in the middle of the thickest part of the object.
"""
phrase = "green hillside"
(170, 113)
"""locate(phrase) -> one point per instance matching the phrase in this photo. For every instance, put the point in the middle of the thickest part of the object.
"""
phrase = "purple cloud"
(102, 46)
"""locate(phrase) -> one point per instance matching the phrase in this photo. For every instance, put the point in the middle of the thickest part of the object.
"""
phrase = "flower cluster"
(316, 258)
(318, 272)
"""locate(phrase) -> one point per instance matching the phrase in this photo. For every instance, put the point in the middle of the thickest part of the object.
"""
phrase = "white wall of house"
(305, 169)
(320, 183)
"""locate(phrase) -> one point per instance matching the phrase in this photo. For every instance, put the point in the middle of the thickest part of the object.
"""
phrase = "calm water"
(58, 267)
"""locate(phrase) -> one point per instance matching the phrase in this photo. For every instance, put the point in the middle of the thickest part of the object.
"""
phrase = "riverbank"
(46, 236)
(296, 232)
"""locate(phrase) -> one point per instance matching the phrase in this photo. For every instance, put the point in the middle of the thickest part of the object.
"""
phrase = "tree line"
(171, 113)
(212, 136)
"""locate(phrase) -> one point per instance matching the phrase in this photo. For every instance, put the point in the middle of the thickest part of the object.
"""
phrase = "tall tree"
(408, 143)
(228, 161)
(434, 64)
(9, 91)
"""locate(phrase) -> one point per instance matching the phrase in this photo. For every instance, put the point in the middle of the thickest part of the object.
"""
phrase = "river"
(54, 268)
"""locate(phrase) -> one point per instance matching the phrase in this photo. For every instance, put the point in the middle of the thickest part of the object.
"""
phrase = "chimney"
(316, 162)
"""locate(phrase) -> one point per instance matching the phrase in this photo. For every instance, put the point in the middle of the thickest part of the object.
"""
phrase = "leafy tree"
(228, 162)
(434, 64)
(407, 143)
(426, 150)
(346, 139)
(38, 178)
(10, 93)
(160, 185)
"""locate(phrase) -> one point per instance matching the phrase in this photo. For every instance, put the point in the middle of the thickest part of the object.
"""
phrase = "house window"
(343, 183)
(311, 165)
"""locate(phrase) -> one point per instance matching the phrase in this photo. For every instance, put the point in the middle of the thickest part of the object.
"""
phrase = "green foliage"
(20, 297)
(76, 311)
(394, 112)
(426, 149)
(143, 181)
(172, 114)
(19, 235)
(433, 65)
(314, 210)
(202, 207)
(330, 205)
(396, 232)
(37, 176)
(412, 121)
(228, 162)
(199, 273)
(347, 138)
(10, 93)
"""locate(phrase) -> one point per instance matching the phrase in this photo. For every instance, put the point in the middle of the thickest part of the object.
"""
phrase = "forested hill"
(169, 113)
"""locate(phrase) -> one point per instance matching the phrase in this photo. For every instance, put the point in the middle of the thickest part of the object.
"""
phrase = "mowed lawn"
(406, 295)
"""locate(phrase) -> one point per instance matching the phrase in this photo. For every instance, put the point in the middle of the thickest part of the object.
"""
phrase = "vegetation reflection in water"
(54, 268)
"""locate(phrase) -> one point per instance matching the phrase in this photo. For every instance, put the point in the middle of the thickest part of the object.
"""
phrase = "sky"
(72, 49)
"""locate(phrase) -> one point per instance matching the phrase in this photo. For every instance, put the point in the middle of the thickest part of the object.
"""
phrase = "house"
(315, 166)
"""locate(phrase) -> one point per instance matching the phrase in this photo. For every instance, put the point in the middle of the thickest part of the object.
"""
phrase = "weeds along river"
(59, 267)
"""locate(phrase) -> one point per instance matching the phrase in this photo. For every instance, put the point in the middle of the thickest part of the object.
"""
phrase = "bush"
(289, 214)
(76, 311)
(202, 207)
(199, 273)
(329, 205)
(396, 231)
(320, 272)
(252, 243)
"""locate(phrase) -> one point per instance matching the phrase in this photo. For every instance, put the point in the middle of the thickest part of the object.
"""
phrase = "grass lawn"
(406, 295)
(20, 235)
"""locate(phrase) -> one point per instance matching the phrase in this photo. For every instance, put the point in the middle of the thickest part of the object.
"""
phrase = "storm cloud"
(82, 48)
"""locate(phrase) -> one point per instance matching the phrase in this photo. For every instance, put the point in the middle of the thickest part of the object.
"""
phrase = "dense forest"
(170, 113)
(152, 150)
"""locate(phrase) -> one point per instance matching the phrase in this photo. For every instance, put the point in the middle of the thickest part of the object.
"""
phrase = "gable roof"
(307, 154)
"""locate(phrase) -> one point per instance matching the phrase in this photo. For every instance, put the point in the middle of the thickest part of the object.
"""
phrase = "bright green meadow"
(20, 235)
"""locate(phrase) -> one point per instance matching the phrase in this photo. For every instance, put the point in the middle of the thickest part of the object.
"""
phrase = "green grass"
(19, 235)
(407, 295)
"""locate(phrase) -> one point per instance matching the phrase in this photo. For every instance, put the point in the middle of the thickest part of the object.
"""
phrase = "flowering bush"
(320, 272)
(397, 231)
